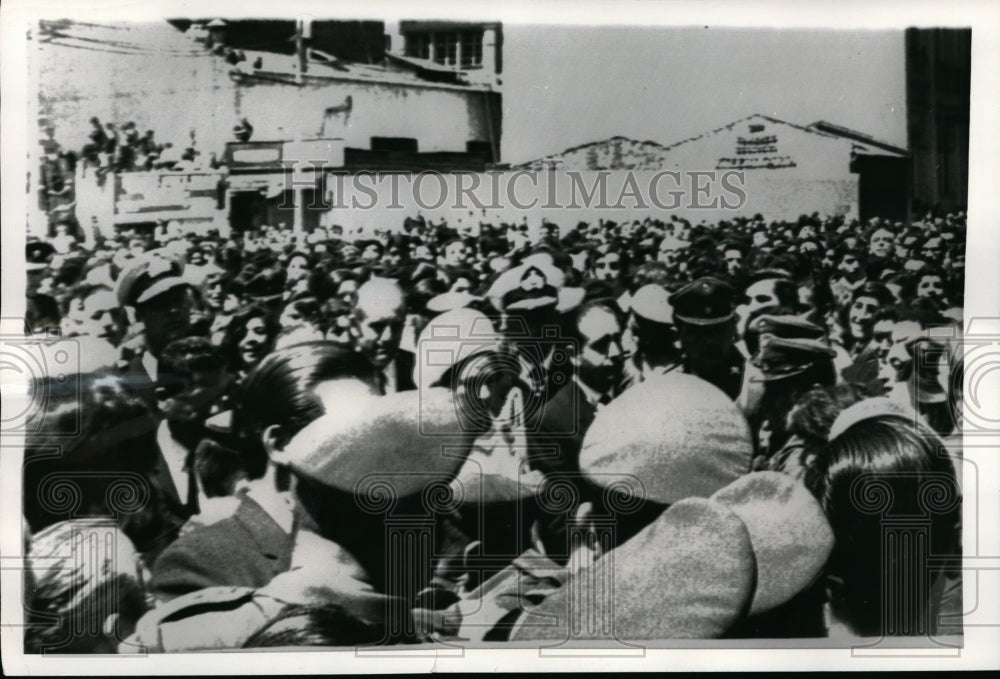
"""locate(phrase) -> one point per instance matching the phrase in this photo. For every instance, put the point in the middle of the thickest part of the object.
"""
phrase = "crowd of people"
(428, 434)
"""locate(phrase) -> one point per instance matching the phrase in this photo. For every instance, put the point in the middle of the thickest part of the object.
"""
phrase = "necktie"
(191, 503)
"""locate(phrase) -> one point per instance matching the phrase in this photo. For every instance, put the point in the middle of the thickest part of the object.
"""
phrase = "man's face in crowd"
(102, 316)
(761, 295)
(600, 359)
(933, 250)
(882, 336)
(899, 362)
(608, 267)
(860, 315)
(166, 317)
(255, 343)
(297, 268)
(215, 296)
(734, 261)
(931, 285)
(829, 257)
(850, 267)
(455, 254)
(881, 243)
(348, 292)
(380, 324)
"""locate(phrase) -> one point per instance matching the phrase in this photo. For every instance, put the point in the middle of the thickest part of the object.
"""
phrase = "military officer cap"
(652, 303)
(788, 327)
(780, 358)
(149, 276)
(531, 285)
(706, 301)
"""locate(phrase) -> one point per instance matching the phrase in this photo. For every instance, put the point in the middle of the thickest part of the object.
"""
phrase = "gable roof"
(641, 155)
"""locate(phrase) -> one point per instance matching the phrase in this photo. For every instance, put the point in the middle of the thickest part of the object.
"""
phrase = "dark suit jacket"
(555, 450)
(245, 550)
(555, 446)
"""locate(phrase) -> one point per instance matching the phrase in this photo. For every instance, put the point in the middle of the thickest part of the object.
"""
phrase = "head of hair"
(901, 466)
(237, 330)
(279, 391)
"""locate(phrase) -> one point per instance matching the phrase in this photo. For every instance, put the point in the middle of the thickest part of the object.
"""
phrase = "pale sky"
(569, 85)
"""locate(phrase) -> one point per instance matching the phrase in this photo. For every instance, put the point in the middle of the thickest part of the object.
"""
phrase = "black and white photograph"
(456, 331)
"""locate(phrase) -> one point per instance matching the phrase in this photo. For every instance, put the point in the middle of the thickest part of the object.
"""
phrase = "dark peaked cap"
(779, 358)
(706, 301)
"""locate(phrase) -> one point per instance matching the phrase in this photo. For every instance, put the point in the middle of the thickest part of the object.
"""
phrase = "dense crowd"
(430, 434)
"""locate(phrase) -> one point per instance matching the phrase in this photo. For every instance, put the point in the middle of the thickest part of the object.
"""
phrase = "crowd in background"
(251, 385)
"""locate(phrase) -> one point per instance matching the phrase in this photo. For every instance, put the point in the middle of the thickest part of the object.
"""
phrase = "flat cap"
(706, 301)
(398, 444)
(789, 532)
(698, 443)
(688, 575)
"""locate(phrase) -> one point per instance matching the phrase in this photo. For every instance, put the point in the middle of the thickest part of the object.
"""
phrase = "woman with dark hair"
(252, 545)
(880, 469)
(250, 337)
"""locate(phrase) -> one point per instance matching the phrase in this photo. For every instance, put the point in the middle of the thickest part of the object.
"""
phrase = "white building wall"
(439, 119)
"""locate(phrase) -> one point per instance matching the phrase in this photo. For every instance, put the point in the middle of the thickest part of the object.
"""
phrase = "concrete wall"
(168, 94)
(173, 94)
(439, 119)
(815, 156)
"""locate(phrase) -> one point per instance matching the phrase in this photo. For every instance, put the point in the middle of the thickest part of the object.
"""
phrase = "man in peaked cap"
(759, 330)
(789, 367)
(704, 314)
(161, 299)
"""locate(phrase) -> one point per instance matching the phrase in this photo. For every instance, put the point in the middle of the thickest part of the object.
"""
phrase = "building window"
(418, 45)
(459, 49)
(472, 49)
(446, 48)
